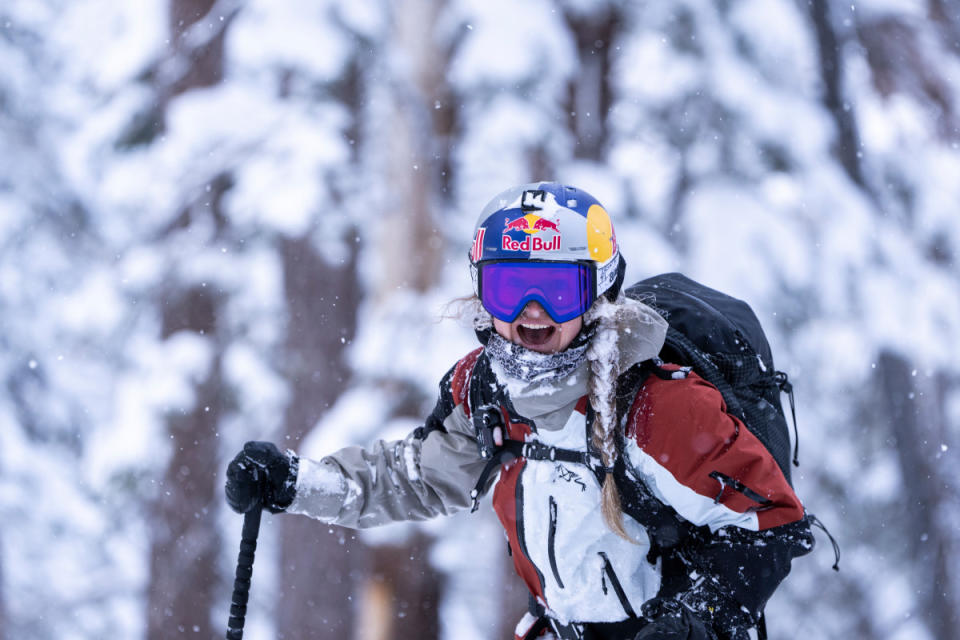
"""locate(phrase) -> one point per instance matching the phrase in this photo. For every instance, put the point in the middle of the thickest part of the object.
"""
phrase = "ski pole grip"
(241, 584)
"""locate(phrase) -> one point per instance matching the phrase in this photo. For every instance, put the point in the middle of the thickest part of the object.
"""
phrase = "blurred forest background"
(224, 220)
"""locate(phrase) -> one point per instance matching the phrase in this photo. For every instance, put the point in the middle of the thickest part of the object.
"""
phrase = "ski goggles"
(565, 289)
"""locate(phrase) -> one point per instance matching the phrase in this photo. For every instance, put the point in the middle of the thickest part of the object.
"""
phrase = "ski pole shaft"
(241, 584)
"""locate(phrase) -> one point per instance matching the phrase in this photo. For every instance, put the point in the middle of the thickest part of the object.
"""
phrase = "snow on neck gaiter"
(524, 364)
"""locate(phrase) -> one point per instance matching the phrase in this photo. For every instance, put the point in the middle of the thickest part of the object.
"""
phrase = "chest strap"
(536, 450)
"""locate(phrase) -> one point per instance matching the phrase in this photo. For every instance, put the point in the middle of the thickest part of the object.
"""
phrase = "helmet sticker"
(533, 200)
(477, 252)
(601, 242)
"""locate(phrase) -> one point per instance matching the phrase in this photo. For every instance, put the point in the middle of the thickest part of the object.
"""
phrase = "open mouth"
(535, 335)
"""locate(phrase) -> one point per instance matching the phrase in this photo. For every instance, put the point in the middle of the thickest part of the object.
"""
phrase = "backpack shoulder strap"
(486, 400)
(629, 384)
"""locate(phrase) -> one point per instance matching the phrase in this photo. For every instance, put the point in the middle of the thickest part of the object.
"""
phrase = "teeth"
(534, 326)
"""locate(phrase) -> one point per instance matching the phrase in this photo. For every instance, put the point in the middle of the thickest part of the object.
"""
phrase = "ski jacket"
(680, 445)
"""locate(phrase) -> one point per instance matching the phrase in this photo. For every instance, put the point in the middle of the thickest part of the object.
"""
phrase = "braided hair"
(603, 356)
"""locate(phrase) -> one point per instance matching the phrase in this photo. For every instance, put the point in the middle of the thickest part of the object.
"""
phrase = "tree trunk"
(417, 154)
(318, 563)
(947, 14)
(401, 595)
(914, 407)
(847, 143)
(184, 552)
(590, 92)
(183, 564)
(198, 61)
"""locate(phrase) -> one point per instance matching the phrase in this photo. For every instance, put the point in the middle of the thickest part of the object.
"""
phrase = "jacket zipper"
(521, 537)
(551, 539)
(617, 587)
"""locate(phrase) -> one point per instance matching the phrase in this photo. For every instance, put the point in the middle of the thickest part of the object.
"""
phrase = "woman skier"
(567, 400)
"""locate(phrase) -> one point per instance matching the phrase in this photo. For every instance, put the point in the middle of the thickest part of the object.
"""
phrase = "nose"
(533, 310)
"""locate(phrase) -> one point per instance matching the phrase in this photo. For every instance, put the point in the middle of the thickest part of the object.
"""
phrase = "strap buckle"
(536, 450)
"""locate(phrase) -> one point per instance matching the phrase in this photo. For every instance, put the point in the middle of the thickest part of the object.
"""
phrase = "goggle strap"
(606, 275)
(475, 279)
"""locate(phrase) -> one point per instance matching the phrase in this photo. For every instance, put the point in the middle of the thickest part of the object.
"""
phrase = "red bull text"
(532, 225)
(531, 243)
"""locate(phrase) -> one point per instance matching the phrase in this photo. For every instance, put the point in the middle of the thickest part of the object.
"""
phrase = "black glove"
(720, 611)
(670, 620)
(261, 476)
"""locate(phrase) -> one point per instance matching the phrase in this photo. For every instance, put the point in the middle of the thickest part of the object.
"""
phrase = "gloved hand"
(719, 611)
(261, 475)
(670, 620)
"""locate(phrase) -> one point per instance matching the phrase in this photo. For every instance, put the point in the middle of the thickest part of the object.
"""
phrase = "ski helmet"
(548, 242)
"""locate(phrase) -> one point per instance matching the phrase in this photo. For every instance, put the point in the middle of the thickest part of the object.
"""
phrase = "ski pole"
(241, 584)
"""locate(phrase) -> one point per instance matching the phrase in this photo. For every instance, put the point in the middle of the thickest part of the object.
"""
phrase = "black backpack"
(720, 338)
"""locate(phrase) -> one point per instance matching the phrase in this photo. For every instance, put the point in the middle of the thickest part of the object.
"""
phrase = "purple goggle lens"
(564, 289)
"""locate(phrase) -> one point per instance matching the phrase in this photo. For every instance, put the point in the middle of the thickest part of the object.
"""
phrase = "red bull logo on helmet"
(531, 224)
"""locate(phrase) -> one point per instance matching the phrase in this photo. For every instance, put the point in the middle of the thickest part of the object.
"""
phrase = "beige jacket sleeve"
(416, 478)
